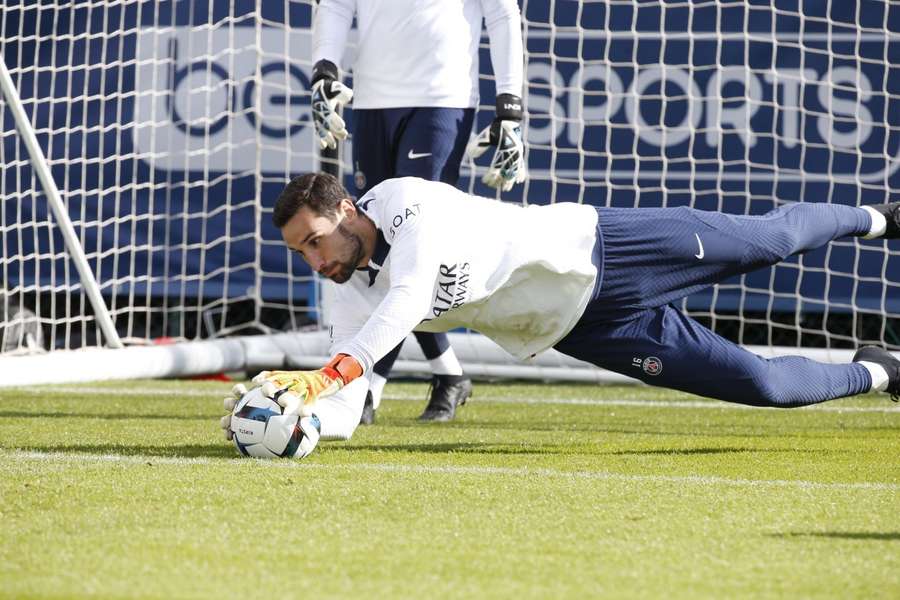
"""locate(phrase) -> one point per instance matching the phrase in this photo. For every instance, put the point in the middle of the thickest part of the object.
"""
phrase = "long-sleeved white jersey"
(445, 259)
(413, 53)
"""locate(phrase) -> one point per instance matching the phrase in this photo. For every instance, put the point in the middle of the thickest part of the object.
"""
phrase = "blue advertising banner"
(192, 116)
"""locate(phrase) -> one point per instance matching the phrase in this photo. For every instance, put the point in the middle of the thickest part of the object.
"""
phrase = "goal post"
(73, 247)
(170, 128)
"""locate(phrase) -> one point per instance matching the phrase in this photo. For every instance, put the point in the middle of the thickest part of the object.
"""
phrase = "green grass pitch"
(127, 490)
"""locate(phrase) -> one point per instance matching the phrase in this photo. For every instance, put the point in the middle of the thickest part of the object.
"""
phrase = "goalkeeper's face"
(333, 247)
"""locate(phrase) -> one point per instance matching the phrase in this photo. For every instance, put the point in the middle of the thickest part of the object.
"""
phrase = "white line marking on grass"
(703, 404)
(706, 480)
(710, 404)
(121, 392)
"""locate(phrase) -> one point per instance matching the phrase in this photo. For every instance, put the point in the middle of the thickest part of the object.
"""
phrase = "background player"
(415, 80)
(594, 283)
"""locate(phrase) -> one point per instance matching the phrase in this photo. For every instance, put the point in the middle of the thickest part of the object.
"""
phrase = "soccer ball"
(261, 430)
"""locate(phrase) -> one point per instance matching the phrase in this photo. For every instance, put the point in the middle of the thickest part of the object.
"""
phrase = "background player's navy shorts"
(423, 142)
(426, 142)
(648, 258)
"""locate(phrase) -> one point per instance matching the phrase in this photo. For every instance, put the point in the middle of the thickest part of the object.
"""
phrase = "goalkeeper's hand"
(297, 391)
(329, 95)
(309, 425)
(237, 392)
(505, 134)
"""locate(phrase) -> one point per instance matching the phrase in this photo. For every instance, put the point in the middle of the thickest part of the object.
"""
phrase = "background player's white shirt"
(446, 259)
(413, 53)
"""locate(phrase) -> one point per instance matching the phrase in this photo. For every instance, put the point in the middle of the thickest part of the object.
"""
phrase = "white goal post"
(143, 144)
(62, 220)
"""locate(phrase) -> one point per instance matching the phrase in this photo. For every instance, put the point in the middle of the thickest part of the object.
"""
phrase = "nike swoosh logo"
(414, 155)
(699, 243)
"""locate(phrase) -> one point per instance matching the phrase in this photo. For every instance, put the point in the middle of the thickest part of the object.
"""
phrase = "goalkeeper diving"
(595, 283)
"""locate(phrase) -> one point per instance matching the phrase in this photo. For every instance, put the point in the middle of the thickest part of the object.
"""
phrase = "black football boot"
(447, 393)
(885, 359)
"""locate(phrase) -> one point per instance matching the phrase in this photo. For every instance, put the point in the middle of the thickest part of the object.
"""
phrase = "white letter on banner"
(738, 118)
(661, 134)
(860, 117)
(582, 115)
(542, 106)
(791, 81)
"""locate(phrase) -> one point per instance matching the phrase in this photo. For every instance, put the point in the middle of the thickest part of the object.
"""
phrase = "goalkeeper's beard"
(355, 246)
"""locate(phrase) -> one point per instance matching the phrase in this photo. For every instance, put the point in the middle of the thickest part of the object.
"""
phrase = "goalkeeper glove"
(505, 133)
(308, 425)
(329, 95)
(237, 392)
(297, 391)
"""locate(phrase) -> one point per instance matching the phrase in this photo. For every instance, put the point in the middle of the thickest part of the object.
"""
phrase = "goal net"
(163, 132)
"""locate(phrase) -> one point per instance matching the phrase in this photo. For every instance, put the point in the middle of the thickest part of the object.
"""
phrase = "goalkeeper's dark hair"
(321, 192)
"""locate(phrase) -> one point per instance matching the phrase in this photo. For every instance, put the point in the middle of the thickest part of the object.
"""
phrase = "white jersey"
(413, 53)
(446, 259)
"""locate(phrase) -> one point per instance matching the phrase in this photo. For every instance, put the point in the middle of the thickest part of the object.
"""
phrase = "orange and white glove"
(297, 391)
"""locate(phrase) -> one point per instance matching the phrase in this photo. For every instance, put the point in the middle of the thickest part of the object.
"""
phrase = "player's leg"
(885, 221)
(432, 143)
(884, 368)
(377, 380)
(662, 346)
(655, 256)
(373, 162)
(450, 388)
(429, 143)
(373, 158)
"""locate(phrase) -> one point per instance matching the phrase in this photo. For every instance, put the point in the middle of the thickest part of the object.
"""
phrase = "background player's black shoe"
(447, 393)
(368, 413)
(891, 212)
(882, 357)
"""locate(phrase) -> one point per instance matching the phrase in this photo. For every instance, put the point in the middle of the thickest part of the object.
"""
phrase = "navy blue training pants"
(649, 258)
(425, 142)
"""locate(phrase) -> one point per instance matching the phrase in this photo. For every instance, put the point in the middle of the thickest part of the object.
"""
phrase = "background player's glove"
(505, 134)
(329, 95)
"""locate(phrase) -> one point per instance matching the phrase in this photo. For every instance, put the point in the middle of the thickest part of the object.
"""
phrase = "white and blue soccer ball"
(262, 430)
